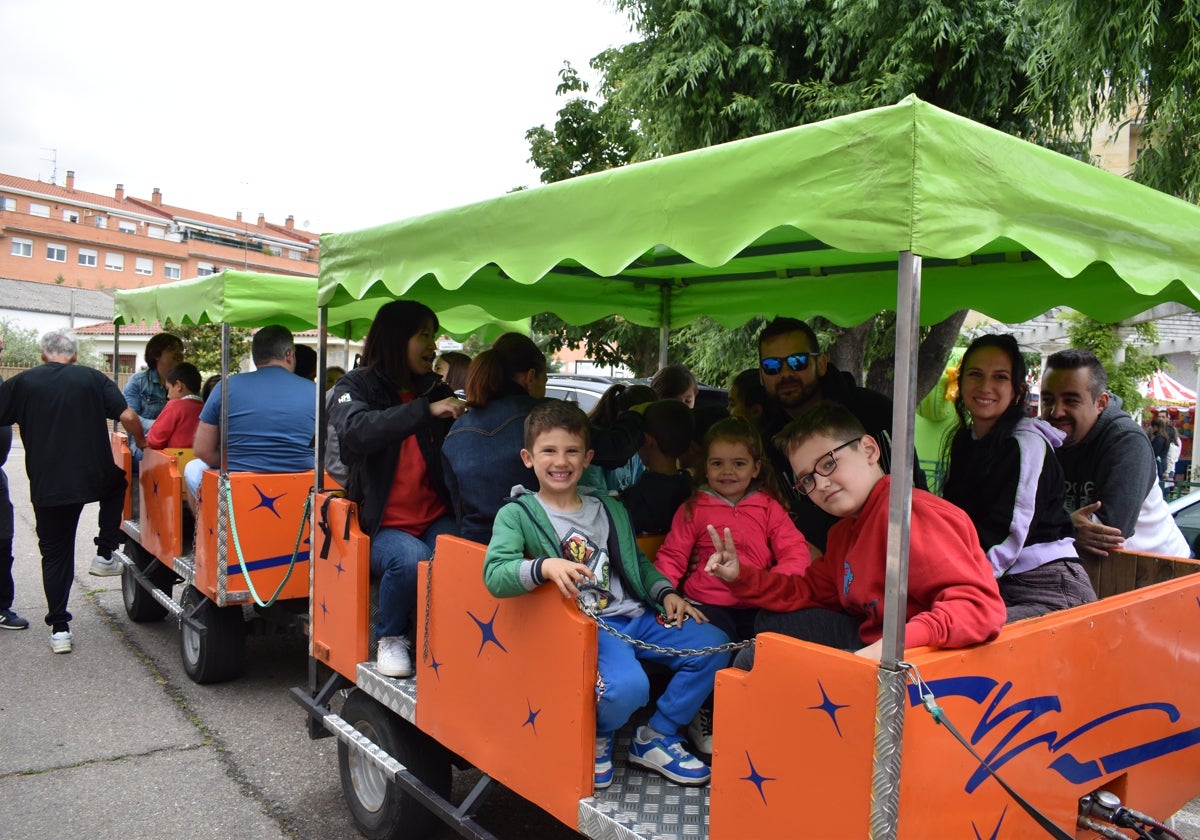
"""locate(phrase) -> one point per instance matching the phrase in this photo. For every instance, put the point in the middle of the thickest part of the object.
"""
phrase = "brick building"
(65, 236)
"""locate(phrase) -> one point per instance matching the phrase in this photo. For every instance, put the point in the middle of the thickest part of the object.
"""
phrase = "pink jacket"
(764, 534)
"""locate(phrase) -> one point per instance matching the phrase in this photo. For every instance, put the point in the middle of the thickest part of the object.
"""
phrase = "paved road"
(114, 741)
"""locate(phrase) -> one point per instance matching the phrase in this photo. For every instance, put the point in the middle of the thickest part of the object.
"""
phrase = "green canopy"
(250, 299)
(803, 222)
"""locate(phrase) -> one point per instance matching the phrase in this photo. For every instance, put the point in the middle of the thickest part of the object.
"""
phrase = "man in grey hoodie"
(1112, 483)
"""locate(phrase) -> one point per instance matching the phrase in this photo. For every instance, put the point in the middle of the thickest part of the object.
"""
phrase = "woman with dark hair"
(482, 452)
(146, 390)
(452, 366)
(391, 416)
(1003, 472)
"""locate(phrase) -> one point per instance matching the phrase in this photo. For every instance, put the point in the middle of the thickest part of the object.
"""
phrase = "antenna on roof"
(53, 159)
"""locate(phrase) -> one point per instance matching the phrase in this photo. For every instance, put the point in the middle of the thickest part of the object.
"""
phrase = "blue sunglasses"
(773, 365)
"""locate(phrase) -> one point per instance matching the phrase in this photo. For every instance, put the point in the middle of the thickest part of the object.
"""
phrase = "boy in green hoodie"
(585, 545)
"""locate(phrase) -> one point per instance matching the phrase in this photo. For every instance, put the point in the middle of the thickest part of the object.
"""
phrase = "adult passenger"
(482, 452)
(271, 415)
(63, 409)
(9, 620)
(146, 390)
(1112, 489)
(798, 376)
(1002, 471)
(391, 416)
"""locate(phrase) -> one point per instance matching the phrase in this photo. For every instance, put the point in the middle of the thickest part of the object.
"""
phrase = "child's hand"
(871, 651)
(676, 608)
(724, 560)
(566, 575)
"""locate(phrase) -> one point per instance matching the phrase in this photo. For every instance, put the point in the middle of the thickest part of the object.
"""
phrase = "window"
(56, 252)
(126, 227)
(71, 216)
(156, 232)
(42, 210)
(87, 257)
(7, 203)
(171, 271)
(114, 262)
(143, 265)
(294, 254)
(102, 221)
(204, 269)
(22, 247)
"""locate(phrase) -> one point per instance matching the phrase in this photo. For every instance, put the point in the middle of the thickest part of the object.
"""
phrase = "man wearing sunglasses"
(798, 376)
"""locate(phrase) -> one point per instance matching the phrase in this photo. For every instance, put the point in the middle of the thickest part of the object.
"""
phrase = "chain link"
(709, 650)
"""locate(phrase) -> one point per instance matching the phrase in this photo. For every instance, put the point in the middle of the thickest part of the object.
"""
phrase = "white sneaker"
(60, 642)
(700, 730)
(394, 660)
(105, 568)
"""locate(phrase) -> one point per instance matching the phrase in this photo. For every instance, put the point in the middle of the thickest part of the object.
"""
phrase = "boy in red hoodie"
(175, 427)
(953, 599)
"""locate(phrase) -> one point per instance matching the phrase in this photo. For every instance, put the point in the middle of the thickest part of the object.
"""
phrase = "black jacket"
(372, 423)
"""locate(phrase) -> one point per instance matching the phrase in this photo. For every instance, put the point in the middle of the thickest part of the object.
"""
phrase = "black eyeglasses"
(824, 467)
(773, 365)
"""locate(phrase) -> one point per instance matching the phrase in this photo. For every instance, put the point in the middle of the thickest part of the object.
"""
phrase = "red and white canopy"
(1161, 389)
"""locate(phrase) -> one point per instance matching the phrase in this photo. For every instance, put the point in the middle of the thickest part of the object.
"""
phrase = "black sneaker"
(9, 620)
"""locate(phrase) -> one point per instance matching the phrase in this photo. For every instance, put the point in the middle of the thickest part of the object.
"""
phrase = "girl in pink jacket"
(740, 493)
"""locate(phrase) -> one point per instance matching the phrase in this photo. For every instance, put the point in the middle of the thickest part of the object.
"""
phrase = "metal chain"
(728, 647)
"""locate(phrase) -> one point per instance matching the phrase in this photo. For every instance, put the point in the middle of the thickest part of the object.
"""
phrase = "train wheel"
(216, 654)
(379, 807)
(140, 605)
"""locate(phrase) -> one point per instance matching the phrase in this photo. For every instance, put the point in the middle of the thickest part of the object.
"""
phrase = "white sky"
(343, 114)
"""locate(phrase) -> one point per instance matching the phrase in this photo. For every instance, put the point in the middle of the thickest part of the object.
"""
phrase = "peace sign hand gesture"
(723, 562)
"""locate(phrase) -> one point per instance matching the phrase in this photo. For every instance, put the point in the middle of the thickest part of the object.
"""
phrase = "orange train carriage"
(1061, 706)
(907, 208)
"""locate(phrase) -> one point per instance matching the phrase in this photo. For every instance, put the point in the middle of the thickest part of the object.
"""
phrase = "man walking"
(62, 409)
(1113, 494)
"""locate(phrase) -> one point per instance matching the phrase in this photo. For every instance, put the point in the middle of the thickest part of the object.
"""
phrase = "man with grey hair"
(63, 409)
(272, 415)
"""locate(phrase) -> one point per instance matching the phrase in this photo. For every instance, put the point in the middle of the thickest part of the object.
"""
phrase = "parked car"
(583, 388)
(1186, 510)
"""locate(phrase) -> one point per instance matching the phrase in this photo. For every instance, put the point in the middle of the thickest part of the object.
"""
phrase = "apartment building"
(65, 236)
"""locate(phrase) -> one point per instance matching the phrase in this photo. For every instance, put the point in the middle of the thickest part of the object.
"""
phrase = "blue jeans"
(394, 558)
(623, 687)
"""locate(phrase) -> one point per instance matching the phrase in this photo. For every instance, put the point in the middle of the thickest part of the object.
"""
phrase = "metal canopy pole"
(321, 415)
(890, 697)
(664, 329)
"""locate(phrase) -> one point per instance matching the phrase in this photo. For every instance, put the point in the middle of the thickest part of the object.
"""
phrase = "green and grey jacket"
(522, 538)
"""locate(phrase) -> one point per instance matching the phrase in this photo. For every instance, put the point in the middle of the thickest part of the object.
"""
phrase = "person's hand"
(1095, 537)
(566, 575)
(676, 607)
(871, 651)
(451, 407)
(723, 562)
(142, 443)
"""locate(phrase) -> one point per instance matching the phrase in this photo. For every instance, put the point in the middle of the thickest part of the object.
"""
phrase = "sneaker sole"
(397, 674)
(105, 572)
(60, 648)
(665, 773)
(14, 626)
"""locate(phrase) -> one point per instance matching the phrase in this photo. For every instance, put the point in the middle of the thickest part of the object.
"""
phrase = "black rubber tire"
(218, 654)
(381, 810)
(140, 605)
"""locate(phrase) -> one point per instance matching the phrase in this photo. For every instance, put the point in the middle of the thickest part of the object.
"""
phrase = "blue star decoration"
(756, 778)
(996, 832)
(531, 721)
(155, 483)
(340, 568)
(488, 630)
(268, 502)
(324, 609)
(829, 707)
(435, 665)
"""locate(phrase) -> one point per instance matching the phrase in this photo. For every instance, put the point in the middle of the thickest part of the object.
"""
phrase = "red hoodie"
(953, 599)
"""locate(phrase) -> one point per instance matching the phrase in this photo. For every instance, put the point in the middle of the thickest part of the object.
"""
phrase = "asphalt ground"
(114, 741)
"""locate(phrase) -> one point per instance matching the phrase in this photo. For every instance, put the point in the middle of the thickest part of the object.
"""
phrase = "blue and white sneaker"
(9, 620)
(604, 765)
(667, 755)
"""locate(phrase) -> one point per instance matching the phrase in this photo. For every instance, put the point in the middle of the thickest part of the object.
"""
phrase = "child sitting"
(739, 493)
(653, 499)
(953, 599)
(748, 398)
(175, 428)
(611, 578)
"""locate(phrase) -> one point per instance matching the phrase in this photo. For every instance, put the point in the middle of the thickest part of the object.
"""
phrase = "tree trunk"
(848, 350)
(932, 353)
